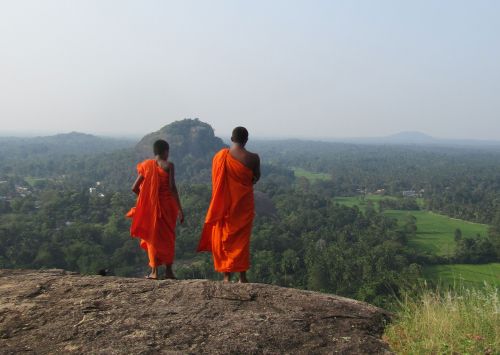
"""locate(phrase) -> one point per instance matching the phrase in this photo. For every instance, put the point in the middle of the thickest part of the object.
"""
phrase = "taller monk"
(228, 224)
(157, 209)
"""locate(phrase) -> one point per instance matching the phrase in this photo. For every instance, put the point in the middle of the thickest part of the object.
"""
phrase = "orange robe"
(155, 214)
(228, 224)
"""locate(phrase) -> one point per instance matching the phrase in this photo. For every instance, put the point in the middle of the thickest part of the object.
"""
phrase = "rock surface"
(187, 137)
(53, 311)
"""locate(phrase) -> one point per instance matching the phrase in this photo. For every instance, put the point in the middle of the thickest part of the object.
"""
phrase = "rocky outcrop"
(192, 147)
(188, 137)
(54, 311)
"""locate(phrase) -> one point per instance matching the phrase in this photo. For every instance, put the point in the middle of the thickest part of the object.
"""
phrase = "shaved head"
(240, 135)
(160, 147)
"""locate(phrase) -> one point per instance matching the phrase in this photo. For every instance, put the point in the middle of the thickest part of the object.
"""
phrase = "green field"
(361, 201)
(435, 232)
(32, 180)
(464, 274)
(309, 175)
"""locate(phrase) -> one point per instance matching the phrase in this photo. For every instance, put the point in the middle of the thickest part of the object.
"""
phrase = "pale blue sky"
(281, 68)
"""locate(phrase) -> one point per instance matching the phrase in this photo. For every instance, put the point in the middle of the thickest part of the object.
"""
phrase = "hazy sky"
(281, 68)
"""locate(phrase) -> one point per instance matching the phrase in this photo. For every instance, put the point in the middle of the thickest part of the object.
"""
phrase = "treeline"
(458, 182)
(310, 243)
(403, 204)
(478, 249)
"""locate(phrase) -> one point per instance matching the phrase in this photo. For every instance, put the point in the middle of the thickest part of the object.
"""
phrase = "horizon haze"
(308, 70)
(399, 138)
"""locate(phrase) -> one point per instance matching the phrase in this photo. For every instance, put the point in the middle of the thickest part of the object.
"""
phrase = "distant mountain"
(418, 138)
(187, 138)
(73, 143)
(410, 137)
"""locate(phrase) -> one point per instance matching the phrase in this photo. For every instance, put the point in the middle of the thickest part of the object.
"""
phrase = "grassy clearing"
(350, 201)
(466, 274)
(32, 180)
(362, 201)
(311, 176)
(435, 232)
(457, 321)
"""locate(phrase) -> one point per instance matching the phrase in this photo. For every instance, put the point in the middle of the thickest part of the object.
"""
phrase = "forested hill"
(74, 143)
(67, 211)
(84, 158)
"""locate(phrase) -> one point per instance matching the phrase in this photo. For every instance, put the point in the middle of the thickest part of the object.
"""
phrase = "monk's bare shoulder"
(253, 158)
(166, 165)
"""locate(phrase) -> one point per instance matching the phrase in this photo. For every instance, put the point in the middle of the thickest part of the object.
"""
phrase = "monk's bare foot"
(243, 278)
(227, 277)
(153, 275)
(169, 274)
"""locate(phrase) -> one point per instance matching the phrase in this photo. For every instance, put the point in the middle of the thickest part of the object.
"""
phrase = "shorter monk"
(157, 209)
(228, 224)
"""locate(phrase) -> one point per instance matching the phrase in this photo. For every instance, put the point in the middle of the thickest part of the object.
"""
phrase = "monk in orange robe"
(157, 209)
(228, 223)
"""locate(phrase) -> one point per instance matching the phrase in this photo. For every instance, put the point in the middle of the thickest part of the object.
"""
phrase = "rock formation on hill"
(186, 137)
(53, 311)
(192, 146)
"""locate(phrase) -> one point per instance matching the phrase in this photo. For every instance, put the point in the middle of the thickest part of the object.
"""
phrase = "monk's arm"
(173, 188)
(256, 169)
(136, 187)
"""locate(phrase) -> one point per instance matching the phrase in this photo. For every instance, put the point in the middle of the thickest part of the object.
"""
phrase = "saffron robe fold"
(228, 223)
(154, 216)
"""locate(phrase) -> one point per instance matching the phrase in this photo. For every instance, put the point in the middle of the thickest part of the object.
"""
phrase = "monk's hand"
(181, 216)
